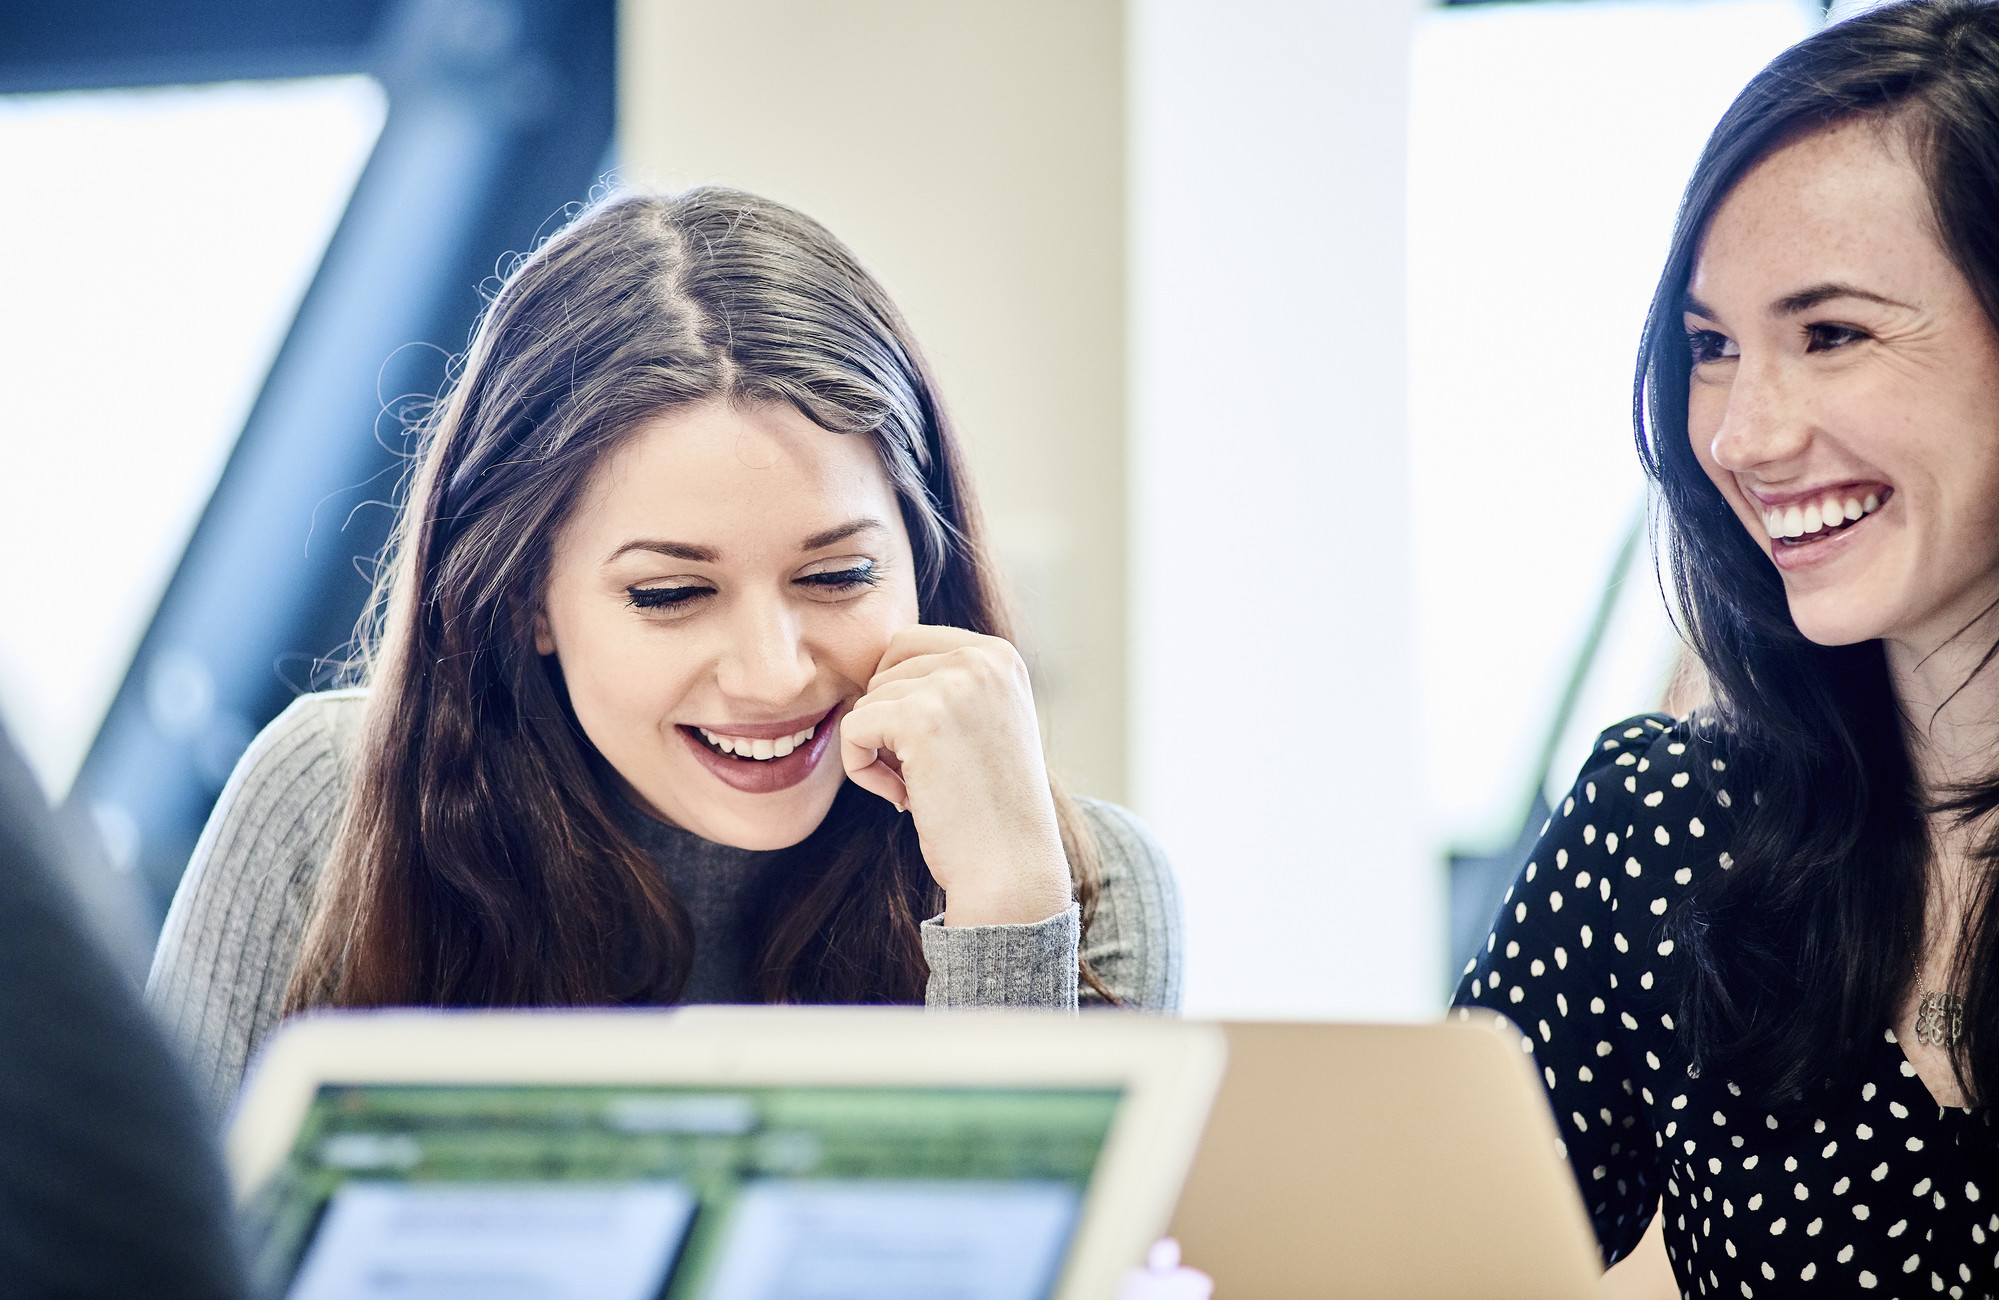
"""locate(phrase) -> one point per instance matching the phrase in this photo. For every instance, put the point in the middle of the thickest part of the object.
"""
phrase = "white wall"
(1549, 147)
(1272, 651)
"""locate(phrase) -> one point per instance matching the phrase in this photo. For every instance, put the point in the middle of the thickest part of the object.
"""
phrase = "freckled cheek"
(1702, 425)
(1984, 495)
(1948, 486)
(1977, 525)
(1706, 408)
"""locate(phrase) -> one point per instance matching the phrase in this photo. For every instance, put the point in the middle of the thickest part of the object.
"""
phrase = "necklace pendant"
(1939, 1019)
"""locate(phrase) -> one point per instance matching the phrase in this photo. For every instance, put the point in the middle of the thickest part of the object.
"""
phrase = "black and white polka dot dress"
(1876, 1190)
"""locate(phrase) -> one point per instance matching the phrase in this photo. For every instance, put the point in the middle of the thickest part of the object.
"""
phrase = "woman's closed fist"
(947, 732)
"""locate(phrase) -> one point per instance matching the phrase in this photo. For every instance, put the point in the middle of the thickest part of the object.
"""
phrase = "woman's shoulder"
(1134, 938)
(227, 943)
(1652, 751)
(1656, 786)
(1125, 847)
(326, 720)
(291, 774)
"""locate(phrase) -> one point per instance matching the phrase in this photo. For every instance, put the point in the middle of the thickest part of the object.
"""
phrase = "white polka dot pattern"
(1872, 1187)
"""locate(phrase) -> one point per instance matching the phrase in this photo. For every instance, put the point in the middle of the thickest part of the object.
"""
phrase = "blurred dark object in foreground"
(110, 1185)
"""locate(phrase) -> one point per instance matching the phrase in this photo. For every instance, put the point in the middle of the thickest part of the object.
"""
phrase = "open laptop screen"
(686, 1193)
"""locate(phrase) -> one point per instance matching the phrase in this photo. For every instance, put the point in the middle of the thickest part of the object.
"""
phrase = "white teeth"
(1816, 515)
(760, 750)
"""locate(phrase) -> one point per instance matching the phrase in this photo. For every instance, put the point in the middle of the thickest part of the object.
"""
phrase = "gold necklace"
(1939, 1013)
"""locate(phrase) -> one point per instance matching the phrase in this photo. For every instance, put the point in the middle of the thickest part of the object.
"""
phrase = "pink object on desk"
(1164, 1278)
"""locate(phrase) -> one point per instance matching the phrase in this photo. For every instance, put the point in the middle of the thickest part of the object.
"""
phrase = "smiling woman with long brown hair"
(689, 680)
(1756, 951)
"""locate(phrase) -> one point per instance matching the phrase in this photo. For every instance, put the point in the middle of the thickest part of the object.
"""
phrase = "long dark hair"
(477, 862)
(1801, 953)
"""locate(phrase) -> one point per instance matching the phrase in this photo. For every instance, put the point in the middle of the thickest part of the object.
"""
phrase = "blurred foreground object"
(109, 1184)
(885, 1152)
(1385, 1161)
(1165, 1278)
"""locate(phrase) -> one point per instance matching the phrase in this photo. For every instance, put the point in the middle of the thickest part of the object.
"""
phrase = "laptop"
(1395, 1162)
(714, 1153)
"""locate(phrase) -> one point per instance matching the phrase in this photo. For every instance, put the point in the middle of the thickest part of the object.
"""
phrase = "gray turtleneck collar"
(718, 885)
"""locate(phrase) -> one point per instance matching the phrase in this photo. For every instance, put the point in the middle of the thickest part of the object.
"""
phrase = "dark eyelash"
(670, 597)
(1815, 334)
(662, 597)
(842, 579)
(1703, 345)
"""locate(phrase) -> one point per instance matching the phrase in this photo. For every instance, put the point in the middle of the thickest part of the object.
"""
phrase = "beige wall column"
(972, 154)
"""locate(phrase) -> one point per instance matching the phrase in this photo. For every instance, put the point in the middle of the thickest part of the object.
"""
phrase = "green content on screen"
(679, 1193)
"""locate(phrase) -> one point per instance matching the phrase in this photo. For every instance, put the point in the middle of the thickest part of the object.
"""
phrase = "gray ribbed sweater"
(232, 934)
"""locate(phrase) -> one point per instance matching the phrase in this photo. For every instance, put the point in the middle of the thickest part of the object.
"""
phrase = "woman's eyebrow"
(839, 534)
(709, 555)
(672, 550)
(1806, 299)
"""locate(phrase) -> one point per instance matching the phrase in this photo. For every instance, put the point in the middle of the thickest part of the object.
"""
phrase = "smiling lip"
(770, 775)
(1804, 496)
(766, 730)
(1807, 538)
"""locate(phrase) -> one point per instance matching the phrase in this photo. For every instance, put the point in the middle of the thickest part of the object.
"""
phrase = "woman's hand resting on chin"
(947, 732)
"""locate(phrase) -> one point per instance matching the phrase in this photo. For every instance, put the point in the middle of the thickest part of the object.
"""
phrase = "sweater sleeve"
(1552, 965)
(1133, 944)
(232, 934)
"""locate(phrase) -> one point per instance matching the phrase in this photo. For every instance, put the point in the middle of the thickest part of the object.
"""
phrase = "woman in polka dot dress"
(1864, 1182)
(1756, 951)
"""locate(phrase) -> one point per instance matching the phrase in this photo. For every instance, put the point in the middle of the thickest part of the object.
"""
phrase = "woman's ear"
(544, 640)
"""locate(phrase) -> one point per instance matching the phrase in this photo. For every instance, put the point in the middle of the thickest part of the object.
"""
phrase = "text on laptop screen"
(680, 1193)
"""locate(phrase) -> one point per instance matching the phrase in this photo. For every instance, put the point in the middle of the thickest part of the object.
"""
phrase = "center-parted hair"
(477, 862)
(1801, 952)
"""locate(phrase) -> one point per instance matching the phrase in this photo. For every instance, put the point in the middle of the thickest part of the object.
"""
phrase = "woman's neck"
(1950, 706)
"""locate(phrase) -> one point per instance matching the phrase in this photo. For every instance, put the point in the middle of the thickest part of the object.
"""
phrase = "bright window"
(158, 244)
(1549, 144)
